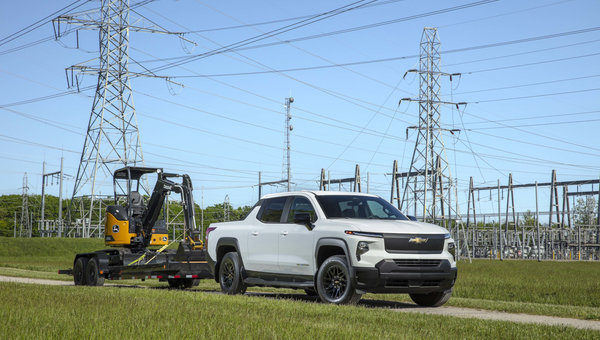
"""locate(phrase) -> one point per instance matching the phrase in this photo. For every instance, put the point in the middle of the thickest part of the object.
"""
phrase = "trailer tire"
(79, 271)
(230, 274)
(175, 283)
(93, 276)
(189, 283)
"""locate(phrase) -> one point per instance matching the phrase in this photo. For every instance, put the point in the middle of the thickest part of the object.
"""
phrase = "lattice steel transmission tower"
(429, 184)
(25, 222)
(288, 128)
(112, 139)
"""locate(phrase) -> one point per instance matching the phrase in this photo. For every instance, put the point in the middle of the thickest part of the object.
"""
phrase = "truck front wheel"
(334, 283)
(434, 299)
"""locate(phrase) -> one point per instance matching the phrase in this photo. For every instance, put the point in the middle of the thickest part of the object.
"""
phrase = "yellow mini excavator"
(135, 224)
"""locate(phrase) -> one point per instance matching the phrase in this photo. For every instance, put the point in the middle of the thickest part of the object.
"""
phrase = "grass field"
(33, 311)
(567, 289)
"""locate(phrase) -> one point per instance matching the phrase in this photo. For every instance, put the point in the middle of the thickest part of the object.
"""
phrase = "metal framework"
(326, 181)
(559, 239)
(428, 185)
(112, 138)
(46, 227)
(25, 221)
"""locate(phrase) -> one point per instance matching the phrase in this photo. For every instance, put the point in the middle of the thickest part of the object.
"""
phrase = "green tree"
(586, 211)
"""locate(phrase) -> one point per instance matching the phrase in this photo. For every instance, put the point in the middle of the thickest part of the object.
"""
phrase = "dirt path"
(410, 308)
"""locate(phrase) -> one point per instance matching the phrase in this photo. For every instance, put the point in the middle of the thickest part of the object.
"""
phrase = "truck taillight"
(208, 230)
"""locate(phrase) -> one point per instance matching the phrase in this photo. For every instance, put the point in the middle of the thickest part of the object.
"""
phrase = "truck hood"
(392, 227)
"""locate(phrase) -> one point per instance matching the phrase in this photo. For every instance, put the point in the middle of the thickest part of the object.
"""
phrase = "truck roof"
(317, 193)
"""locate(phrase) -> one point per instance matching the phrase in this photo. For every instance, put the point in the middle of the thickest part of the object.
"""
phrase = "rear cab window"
(271, 210)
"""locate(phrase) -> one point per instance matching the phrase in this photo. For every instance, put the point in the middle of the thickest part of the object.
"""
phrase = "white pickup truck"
(335, 245)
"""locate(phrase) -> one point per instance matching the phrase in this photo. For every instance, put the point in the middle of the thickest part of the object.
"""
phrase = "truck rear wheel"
(79, 271)
(93, 276)
(230, 274)
(334, 283)
(434, 299)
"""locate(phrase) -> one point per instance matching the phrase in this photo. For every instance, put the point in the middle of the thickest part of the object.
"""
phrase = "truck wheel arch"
(224, 246)
(327, 247)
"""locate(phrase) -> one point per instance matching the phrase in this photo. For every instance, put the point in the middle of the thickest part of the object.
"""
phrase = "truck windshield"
(356, 206)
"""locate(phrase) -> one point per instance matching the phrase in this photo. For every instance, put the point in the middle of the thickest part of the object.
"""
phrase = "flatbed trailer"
(183, 268)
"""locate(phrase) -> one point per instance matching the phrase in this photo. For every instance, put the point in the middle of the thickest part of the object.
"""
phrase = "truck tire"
(230, 274)
(311, 292)
(434, 299)
(93, 276)
(334, 283)
(79, 271)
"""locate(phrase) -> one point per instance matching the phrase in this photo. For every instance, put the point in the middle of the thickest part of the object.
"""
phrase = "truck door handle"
(255, 233)
(284, 233)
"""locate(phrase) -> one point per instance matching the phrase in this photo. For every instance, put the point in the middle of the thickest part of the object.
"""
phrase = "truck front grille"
(414, 243)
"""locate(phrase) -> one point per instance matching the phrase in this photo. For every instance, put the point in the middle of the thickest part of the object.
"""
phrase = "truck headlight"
(361, 248)
(452, 250)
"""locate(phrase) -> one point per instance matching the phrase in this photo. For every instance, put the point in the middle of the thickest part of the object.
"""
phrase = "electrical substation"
(490, 224)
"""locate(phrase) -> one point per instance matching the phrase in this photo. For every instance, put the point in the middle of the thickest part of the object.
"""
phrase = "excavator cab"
(129, 221)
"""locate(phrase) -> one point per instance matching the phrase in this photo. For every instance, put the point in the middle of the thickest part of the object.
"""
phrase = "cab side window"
(301, 205)
(272, 210)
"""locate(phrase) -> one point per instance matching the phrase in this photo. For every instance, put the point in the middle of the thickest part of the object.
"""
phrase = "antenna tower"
(288, 128)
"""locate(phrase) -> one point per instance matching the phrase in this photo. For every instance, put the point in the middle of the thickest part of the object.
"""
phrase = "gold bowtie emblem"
(418, 240)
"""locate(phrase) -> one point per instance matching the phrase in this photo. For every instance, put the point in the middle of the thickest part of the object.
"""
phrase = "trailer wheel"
(175, 283)
(230, 274)
(189, 283)
(93, 277)
(79, 271)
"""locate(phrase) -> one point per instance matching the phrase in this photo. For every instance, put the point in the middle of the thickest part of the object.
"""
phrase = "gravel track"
(409, 308)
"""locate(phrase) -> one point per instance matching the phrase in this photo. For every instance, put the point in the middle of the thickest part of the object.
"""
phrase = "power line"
(529, 84)
(382, 60)
(534, 63)
(535, 117)
(540, 124)
(535, 96)
(38, 23)
(283, 20)
(266, 35)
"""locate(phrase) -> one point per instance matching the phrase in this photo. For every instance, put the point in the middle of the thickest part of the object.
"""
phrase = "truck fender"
(339, 243)
(225, 242)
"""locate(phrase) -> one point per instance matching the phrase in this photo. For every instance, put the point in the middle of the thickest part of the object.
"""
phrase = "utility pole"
(112, 138)
(226, 209)
(288, 149)
(51, 178)
(429, 170)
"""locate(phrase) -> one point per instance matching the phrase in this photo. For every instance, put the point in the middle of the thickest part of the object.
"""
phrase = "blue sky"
(532, 106)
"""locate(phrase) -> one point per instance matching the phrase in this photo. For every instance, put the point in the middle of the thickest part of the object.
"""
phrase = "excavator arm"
(164, 185)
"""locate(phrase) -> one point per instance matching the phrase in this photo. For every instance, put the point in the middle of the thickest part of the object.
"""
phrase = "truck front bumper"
(406, 276)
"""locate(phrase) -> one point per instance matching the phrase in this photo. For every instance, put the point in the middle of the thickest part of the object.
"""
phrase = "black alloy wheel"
(230, 274)
(334, 283)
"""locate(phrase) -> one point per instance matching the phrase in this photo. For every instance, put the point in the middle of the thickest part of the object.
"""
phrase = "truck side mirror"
(303, 218)
(412, 218)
